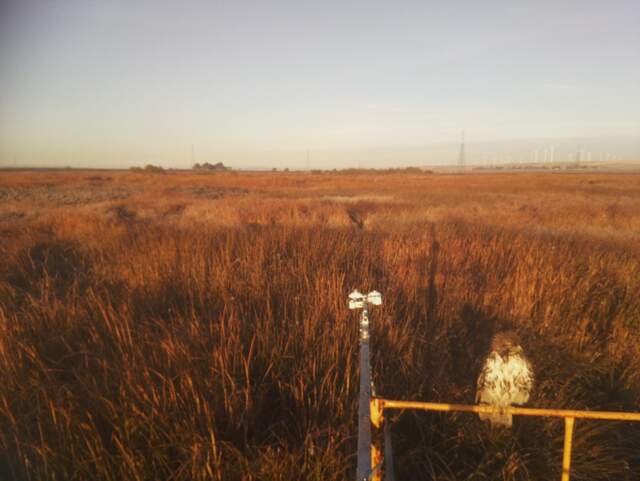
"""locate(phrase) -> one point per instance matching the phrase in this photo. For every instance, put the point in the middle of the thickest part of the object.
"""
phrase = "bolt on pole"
(357, 300)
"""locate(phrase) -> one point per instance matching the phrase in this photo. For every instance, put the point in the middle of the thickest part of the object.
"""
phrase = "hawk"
(506, 377)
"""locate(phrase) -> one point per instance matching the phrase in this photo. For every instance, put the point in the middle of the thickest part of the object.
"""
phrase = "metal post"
(566, 454)
(377, 455)
(357, 300)
(364, 408)
(389, 473)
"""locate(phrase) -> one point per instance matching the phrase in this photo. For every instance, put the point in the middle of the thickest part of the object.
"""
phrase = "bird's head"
(506, 343)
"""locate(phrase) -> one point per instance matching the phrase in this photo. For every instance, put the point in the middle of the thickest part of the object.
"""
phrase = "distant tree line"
(149, 168)
(217, 167)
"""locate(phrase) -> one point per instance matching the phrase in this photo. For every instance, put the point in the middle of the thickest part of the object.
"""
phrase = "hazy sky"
(257, 83)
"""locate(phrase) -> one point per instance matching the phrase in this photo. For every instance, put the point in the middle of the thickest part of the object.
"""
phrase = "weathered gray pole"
(364, 406)
(361, 301)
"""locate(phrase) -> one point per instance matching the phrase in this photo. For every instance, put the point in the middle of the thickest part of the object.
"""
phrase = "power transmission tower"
(461, 156)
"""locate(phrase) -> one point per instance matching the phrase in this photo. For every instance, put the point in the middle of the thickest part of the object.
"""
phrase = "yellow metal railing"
(371, 456)
(379, 405)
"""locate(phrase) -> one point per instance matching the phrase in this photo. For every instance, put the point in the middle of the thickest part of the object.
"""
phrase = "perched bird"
(506, 377)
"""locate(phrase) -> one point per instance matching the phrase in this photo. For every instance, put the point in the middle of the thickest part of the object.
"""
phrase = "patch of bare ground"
(208, 192)
(51, 194)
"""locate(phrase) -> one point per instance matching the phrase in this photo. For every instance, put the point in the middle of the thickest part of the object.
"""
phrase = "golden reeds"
(140, 340)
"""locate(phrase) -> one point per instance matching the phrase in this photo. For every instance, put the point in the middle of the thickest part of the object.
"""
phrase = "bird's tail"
(497, 419)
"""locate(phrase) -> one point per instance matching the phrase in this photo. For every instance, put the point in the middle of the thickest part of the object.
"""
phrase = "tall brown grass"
(188, 326)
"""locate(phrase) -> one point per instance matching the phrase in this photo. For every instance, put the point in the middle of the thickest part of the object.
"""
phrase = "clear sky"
(258, 83)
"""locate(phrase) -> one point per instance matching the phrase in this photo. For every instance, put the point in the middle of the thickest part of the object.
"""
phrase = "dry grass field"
(195, 327)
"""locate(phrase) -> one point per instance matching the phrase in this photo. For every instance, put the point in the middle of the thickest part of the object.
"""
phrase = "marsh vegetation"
(195, 327)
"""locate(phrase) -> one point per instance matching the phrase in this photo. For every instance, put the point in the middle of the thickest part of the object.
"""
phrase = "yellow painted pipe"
(376, 463)
(377, 412)
(377, 456)
(566, 454)
(518, 411)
